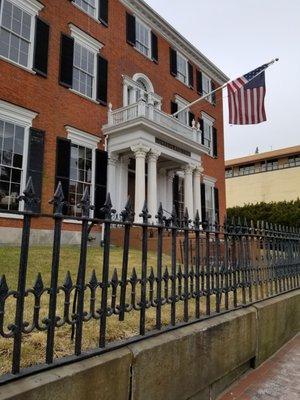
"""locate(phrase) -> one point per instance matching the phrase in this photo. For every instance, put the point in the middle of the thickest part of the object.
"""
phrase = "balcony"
(158, 123)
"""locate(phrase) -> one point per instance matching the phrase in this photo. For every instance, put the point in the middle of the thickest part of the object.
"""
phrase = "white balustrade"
(142, 109)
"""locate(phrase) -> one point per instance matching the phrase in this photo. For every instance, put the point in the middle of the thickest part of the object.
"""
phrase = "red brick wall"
(57, 106)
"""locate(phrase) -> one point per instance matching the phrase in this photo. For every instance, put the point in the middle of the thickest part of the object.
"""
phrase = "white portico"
(147, 149)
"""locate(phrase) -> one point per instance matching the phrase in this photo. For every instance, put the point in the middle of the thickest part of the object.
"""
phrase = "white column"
(125, 95)
(162, 188)
(140, 151)
(197, 190)
(152, 183)
(188, 190)
(123, 183)
(111, 177)
(170, 178)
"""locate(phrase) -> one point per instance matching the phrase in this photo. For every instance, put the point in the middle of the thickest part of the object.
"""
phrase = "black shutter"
(66, 61)
(41, 45)
(63, 155)
(100, 182)
(103, 12)
(203, 207)
(154, 47)
(102, 80)
(35, 163)
(213, 96)
(202, 130)
(217, 206)
(131, 29)
(191, 118)
(191, 75)
(174, 108)
(199, 82)
(215, 142)
(173, 62)
(176, 194)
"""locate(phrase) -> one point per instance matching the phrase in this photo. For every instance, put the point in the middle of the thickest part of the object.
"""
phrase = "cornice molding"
(31, 6)
(175, 39)
(85, 38)
(17, 114)
(81, 137)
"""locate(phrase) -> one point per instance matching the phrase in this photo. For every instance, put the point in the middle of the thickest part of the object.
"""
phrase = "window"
(247, 169)
(80, 176)
(207, 134)
(184, 115)
(14, 131)
(206, 86)
(228, 173)
(182, 68)
(86, 49)
(209, 203)
(82, 168)
(17, 26)
(11, 164)
(272, 165)
(89, 6)
(142, 40)
(294, 161)
(83, 70)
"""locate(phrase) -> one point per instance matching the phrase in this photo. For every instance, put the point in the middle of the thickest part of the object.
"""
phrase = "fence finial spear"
(58, 200)
(145, 213)
(85, 203)
(160, 214)
(128, 214)
(197, 220)
(107, 209)
(29, 196)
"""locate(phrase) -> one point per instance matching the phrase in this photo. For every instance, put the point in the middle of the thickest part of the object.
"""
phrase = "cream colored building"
(271, 176)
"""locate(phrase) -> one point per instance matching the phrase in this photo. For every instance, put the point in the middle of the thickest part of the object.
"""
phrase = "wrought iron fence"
(210, 270)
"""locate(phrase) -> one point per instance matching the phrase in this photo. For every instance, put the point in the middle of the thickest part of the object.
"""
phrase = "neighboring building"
(266, 177)
(62, 64)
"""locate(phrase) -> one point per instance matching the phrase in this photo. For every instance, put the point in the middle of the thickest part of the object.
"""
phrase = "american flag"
(246, 98)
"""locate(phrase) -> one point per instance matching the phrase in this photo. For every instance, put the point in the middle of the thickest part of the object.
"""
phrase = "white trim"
(210, 120)
(33, 7)
(205, 76)
(138, 76)
(84, 39)
(175, 39)
(141, 22)
(187, 69)
(85, 139)
(16, 114)
(27, 69)
(85, 12)
(84, 96)
(82, 138)
(10, 215)
(209, 180)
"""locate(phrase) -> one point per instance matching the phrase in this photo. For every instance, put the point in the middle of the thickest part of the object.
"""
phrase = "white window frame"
(181, 102)
(85, 139)
(87, 13)
(186, 66)
(32, 7)
(91, 44)
(138, 20)
(209, 122)
(211, 183)
(24, 118)
(207, 79)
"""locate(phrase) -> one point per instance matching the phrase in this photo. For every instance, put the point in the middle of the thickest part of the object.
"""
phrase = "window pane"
(15, 37)
(87, 5)
(83, 71)
(9, 130)
(4, 195)
(5, 174)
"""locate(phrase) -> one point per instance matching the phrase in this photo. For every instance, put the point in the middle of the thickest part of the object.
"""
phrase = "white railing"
(148, 111)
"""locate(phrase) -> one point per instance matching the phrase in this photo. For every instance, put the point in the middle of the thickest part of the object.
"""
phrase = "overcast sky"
(238, 36)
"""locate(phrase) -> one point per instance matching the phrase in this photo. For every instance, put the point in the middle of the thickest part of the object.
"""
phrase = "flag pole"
(217, 89)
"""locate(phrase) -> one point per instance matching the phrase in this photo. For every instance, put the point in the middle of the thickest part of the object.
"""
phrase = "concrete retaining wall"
(196, 362)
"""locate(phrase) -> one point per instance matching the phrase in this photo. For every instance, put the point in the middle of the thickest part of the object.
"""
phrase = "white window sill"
(143, 54)
(10, 216)
(17, 65)
(72, 221)
(86, 13)
(84, 96)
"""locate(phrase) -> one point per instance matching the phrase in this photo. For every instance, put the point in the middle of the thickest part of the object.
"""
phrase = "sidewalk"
(277, 379)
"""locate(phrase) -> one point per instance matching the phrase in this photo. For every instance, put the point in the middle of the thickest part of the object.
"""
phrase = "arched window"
(140, 87)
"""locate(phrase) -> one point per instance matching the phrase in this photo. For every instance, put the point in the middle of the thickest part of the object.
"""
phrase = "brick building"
(87, 89)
